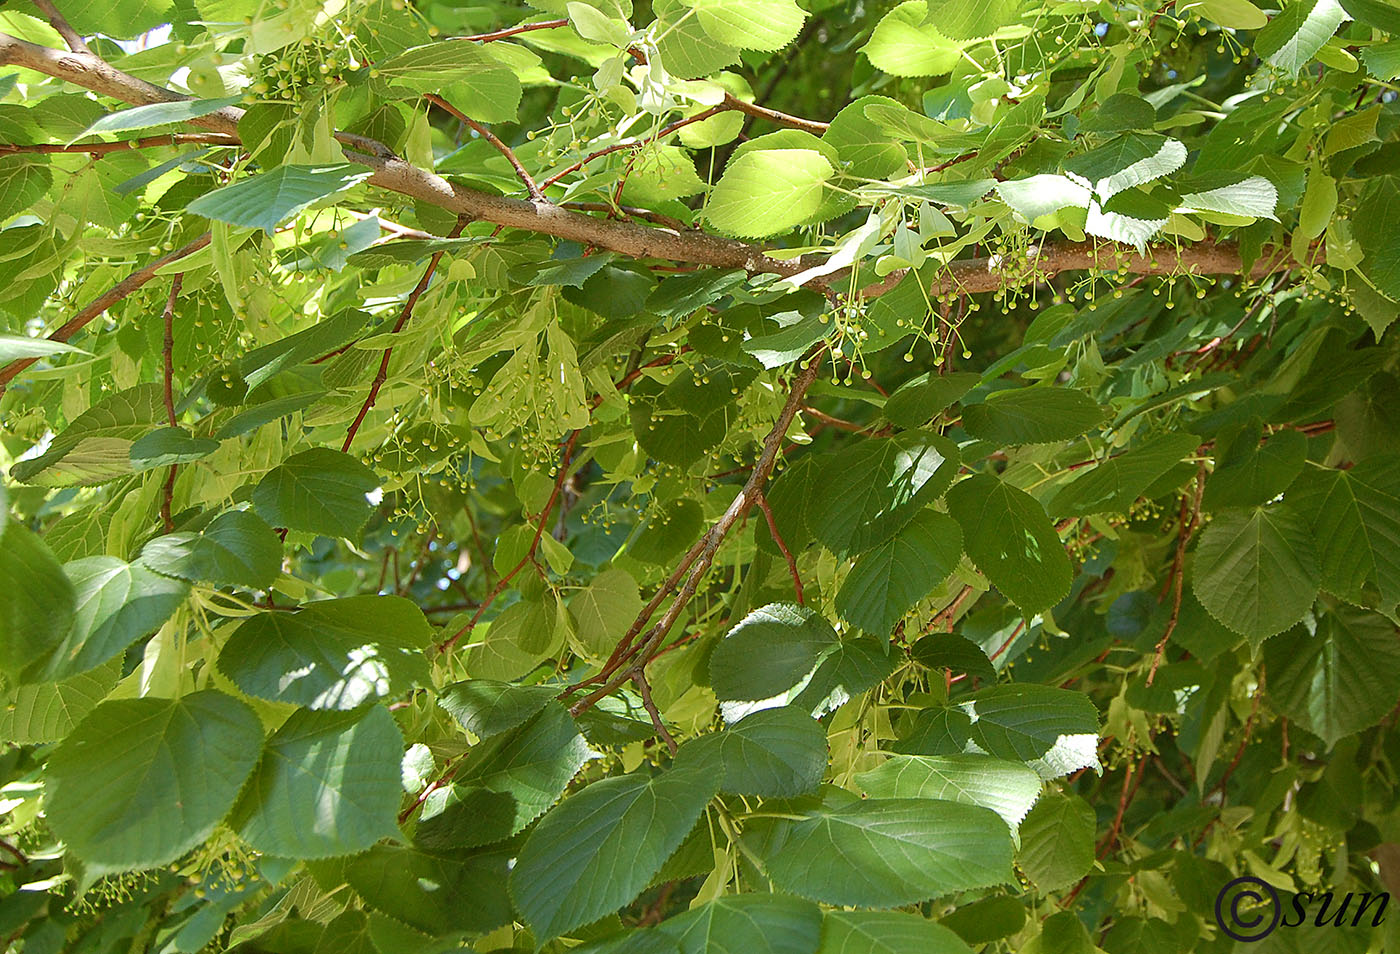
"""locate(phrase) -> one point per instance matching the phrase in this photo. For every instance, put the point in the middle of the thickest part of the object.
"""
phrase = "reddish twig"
(168, 356)
(640, 679)
(762, 502)
(812, 126)
(530, 186)
(1244, 742)
(636, 144)
(1188, 524)
(1131, 780)
(382, 374)
(106, 300)
(624, 661)
(515, 30)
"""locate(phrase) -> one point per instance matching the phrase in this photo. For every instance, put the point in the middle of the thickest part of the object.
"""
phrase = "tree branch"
(812, 126)
(628, 658)
(513, 31)
(1189, 518)
(382, 374)
(964, 276)
(65, 29)
(782, 546)
(530, 187)
(104, 301)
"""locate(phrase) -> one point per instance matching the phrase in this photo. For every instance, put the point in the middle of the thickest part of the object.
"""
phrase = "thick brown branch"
(104, 301)
(406, 313)
(65, 29)
(637, 241)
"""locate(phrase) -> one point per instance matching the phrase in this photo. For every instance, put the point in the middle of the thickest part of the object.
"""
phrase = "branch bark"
(966, 276)
(65, 29)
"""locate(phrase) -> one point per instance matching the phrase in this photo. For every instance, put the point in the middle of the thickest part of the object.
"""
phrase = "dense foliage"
(696, 475)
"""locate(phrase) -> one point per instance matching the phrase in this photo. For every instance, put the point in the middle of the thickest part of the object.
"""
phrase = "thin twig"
(530, 186)
(65, 29)
(121, 145)
(168, 356)
(104, 301)
(812, 126)
(1188, 524)
(782, 546)
(633, 144)
(1244, 742)
(640, 679)
(383, 373)
(624, 662)
(513, 31)
(1131, 779)
(632, 211)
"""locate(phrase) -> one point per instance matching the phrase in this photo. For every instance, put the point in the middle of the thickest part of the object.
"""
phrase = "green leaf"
(157, 114)
(972, 19)
(750, 24)
(1032, 416)
(1011, 540)
(951, 651)
(863, 146)
(1121, 112)
(433, 893)
(141, 781)
(851, 668)
(1061, 933)
(266, 201)
(1044, 194)
(1113, 485)
(334, 654)
(116, 603)
(1257, 571)
(1007, 788)
(768, 652)
(746, 924)
(603, 610)
(1339, 679)
(1293, 37)
(529, 766)
(319, 490)
(16, 347)
(48, 711)
(882, 852)
(873, 488)
(486, 708)
(1233, 14)
(904, 43)
(523, 636)
(1355, 520)
(920, 398)
(1251, 471)
(327, 785)
(773, 753)
(768, 191)
(1229, 192)
(37, 600)
(237, 548)
(23, 181)
(887, 581)
(95, 446)
(1057, 842)
(600, 847)
(1027, 722)
(1381, 236)
(169, 445)
(886, 932)
(1127, 161)
(988, 919)
(784, 347)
